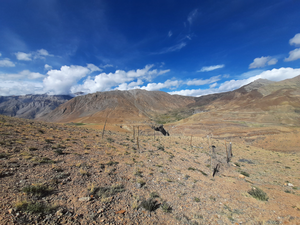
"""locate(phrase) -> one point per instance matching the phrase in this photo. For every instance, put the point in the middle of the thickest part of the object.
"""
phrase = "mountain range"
(261, 100)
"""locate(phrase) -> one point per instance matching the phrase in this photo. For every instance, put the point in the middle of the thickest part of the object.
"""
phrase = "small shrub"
(212, 198)
(191, 168)
(59, 152)
(245, 173)
(45, 160)
(83, 172)
(105, 192)
(3, 156)
(149, 204)
(49, 141)
(138, 173)
(166, 207)
(37, 190)
(237, 164)
(258, 194)
(34, 207)
(161, 147)
(154, 195)
(110, 140)
(197, 199)
(205, 174)
(110, 163)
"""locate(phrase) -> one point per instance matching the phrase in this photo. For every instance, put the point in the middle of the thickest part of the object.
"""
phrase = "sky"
(181, 47)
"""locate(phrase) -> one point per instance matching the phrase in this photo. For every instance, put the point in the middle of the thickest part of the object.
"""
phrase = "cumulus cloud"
(157, 86)
(93, 68)
(20, 87)
(48, 67)
(210, 68)
(120, 79)
(132, 85)
(194, 92)
(262, 61)
(61, 81)
(6, 63)
(295, 40)
(40, 54)
(199, 82)
(272, 61)
(23, 56)
(294, 55)
(273, 75)
(23, 75)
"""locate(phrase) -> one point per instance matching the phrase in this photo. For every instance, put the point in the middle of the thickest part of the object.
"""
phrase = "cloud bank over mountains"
(91, 78)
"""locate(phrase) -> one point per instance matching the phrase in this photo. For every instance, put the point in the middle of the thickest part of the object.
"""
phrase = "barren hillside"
(58, 174)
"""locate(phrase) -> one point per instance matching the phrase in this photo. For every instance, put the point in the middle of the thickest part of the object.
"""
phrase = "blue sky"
(181, 47)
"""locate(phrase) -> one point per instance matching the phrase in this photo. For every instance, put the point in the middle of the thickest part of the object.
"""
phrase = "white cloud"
(0, 54)
(107, 65)
(198, 82)
(193, 92)
(273, 75)
(294, 55)
(213, 85)
(158, 86)
(23, 75)
(262, 61)
(132, 85)
(40, 54)
(93, 68)
(210, 68)
(20, 88)
(23, 56)
(6, 63)
(43, 52)
(170, 34)
(272, 61)
(259, 62)
(118, 80)
(61, 81)
(295, 40)
(48, 67)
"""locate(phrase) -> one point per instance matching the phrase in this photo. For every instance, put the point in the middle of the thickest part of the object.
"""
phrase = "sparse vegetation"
(245, 173)
(154, 195)
(105, 192)
(149, 204)
(37, 190)
(34, 207)
(166, 207)
(258, 194)
(196, 199)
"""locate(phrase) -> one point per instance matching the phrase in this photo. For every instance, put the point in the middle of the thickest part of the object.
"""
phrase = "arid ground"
(68, 174)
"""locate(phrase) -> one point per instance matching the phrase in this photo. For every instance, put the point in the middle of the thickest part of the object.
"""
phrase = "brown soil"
(71, 162)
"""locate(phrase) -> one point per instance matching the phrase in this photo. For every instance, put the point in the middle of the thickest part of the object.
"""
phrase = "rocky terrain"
(66, 174)
(30, 106)
(118, 106)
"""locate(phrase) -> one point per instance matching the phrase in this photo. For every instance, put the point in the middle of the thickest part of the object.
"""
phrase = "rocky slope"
(59, 174)
(30, 106)
(118, 107)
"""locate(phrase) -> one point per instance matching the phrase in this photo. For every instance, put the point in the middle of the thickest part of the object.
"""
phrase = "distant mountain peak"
(257, 84)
